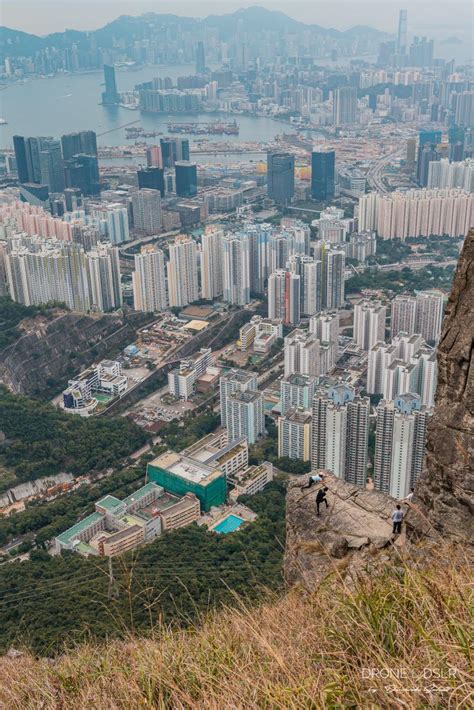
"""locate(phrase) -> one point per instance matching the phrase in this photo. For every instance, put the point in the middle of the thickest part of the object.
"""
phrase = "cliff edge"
(444, 500)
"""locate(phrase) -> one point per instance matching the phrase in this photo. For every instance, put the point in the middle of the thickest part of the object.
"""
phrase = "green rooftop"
(141, 492)
(67, 535)
(109, 502)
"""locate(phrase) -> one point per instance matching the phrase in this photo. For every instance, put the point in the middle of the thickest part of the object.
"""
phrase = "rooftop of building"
(187, 468)
(109, 503)
(245, 397)
(241, 376)
(251, 472)
(298, 380)
(142, 492)
(79, 527)
(298, 416)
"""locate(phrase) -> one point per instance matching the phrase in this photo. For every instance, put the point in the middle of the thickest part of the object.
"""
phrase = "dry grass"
(300, 651)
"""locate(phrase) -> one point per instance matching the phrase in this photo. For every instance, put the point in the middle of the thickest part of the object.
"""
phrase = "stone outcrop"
(444, 496)
(40, 362)
(346, 537)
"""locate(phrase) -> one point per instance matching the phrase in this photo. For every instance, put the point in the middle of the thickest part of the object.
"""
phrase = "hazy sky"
(431, 17)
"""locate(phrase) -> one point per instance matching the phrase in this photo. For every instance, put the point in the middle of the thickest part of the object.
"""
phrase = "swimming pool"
(229, 524)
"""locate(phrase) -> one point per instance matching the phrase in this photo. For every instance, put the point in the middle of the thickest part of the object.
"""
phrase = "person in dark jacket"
(320, 498)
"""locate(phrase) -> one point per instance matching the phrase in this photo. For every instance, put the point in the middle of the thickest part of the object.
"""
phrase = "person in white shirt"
(397, 517)
(315, 478)
(409, 497)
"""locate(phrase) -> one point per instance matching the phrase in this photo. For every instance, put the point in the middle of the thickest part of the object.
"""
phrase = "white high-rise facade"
(325, 326)
(236, 268)
(103, 266)
(284, 296)
(148, 280)
(146, 206)
(235, 381)
(399, 444)
(369, 323)
(54, 271)
(417, 213)
(306, 355)
(422, 314)
(245, 415)
(211, 263)
(344, 105)
(443, 174)
(406, 365)
(182, 272)
(340, 433)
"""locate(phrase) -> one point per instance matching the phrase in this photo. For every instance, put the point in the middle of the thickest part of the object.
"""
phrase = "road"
(375, 174)
(417, 265)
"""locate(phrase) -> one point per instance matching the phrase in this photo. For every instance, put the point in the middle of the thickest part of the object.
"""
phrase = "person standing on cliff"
(320, 498)
(397, 517)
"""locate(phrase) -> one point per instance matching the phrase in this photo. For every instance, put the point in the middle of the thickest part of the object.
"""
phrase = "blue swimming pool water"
(229, 524)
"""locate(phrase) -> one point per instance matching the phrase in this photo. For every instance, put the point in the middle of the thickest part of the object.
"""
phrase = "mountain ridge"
(135, 26)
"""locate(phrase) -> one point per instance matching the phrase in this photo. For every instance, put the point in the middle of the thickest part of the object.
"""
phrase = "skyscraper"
(154, 159)
(182, 272)
(323, 174)
(110, 95)
(369, 323)
(82, 172)
(245, 415)
(174, 149)
(51, 165)
(152, 178)
(333, 264)
(186, 178)
(429, 315)
(211, 263)
(402, 42)
(281, 177)
(19, 146)
(84, 142)
(345, 106)
(236, 268)
(297, 391)
(422, 314)
(294, 434)
(306, 355)
(340, 433)
(146, 207)
(403, 315)
(103, 266)
(148, 279)
(200, 58)
(400, 444)
(310, 273)
(325, 327)
(259, 235)
(284, 296)
(235, 381)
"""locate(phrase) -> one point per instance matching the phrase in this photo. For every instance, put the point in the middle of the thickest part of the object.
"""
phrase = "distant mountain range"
(249, 20)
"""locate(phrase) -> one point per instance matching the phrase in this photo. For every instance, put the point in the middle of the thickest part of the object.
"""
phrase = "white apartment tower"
(182, 272)
(340, 433)
(211, 263)
(235, 381)
(236, 268)
(148, 280)
(103, 266)
(369, 323)
(400, 444)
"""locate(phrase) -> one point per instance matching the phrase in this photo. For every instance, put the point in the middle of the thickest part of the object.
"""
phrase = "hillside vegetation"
(42, 440)
(300, 651)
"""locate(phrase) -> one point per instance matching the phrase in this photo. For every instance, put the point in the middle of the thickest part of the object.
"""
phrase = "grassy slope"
(299, 651)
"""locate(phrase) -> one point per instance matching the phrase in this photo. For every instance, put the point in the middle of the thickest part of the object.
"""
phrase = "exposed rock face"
(342, 539)
(445, 491)
(40, 361)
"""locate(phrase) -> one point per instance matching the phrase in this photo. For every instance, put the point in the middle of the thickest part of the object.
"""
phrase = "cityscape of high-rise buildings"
(285, 212)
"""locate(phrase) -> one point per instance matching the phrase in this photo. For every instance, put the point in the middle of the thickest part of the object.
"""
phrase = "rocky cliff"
(444, 501)
(350, 536)
(50, 351)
